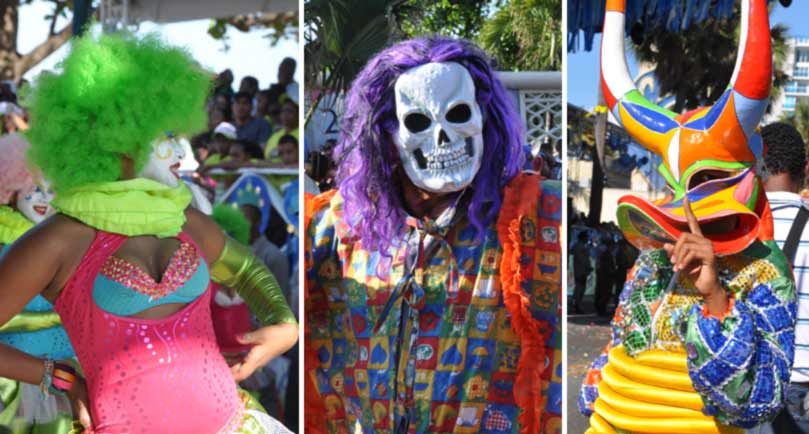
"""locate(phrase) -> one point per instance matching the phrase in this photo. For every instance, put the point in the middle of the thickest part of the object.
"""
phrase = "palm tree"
(525, 35)
(341, 36)
(799, 118)
(694, 65)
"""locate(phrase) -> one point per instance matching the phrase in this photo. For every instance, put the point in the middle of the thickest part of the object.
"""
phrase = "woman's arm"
(237, 268)
(34, 264)
(20, 366)
(31, 266)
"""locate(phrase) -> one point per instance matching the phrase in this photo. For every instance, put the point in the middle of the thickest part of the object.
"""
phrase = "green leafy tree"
(341, 36)
(457, 18)
(277, 25)
(799, 118)
(525, 35)
(695, 65)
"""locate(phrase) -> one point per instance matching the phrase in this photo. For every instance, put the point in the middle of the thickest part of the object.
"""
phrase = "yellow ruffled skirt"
(650, 393)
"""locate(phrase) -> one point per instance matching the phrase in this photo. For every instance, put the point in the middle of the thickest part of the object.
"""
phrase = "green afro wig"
(233, 222)
(113, 97)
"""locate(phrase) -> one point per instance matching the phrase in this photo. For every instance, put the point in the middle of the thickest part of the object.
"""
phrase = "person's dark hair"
(252, 150)
(785, 150)
(288, 100)
(200, 140)
(242, 95)
(6, 94)
(250, 79)
(288, 138)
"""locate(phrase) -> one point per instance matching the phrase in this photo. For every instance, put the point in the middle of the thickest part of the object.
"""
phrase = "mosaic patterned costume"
(739, 365)
(448, 335)
(672, 366)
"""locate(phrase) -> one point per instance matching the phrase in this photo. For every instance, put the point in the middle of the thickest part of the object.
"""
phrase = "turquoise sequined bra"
(123, 289)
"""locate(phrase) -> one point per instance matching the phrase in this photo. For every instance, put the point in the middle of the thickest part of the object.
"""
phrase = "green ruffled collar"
(132, 207)
(12, 224)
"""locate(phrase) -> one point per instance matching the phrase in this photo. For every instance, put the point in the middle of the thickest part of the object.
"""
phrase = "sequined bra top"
(148, 375)
(124, 289)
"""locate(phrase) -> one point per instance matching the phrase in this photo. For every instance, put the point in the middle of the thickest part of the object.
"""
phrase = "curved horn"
(752, 74)
(650, 125)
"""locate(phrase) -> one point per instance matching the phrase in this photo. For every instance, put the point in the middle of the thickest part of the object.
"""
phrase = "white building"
(797, 67)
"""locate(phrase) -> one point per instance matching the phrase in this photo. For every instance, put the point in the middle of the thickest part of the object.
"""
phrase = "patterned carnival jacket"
(448, 334)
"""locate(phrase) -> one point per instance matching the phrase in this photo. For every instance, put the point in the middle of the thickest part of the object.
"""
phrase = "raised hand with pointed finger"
(694, 256)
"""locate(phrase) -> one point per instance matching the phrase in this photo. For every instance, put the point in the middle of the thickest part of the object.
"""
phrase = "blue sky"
(582, 66)
(249, 54)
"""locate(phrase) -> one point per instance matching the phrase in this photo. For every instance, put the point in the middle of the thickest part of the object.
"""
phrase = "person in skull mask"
(433, 270)
(703, 337)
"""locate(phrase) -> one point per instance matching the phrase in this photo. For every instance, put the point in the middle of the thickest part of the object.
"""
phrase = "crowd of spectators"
(257, 128)
(251, 127)
(600, 260)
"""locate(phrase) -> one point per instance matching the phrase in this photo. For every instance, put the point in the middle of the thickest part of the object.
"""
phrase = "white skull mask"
(440, 137)
(35, 203)
(164, 161)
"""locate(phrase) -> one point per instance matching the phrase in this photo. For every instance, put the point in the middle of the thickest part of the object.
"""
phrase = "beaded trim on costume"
(183, 264)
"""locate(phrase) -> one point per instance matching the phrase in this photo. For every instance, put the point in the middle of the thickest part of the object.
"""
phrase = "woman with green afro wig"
(125, 261)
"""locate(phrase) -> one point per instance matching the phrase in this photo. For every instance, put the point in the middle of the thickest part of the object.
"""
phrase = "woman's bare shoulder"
(205, 232)
(60, 229)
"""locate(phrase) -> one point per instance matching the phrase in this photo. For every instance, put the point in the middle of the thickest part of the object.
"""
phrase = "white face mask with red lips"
(35, 203)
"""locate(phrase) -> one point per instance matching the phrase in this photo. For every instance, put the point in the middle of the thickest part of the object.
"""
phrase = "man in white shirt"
(783, 172)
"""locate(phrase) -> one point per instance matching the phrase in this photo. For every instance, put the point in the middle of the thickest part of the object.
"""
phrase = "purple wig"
(367, 155)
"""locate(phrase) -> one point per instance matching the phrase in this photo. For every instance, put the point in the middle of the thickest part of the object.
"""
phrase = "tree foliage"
(457, 18)
(695, 65)
(525, 35)
(278, 26)
(799, 118)
(341, 36)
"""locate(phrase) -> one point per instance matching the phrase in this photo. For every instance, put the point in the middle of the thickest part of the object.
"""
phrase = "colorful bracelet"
(63, 378)
(58, 378)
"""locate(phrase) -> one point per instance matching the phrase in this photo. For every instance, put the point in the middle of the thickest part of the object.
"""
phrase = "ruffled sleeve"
(319, 250)
(740, 363)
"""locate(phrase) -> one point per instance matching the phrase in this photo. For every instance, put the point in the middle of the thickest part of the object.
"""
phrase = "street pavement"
(586, 337)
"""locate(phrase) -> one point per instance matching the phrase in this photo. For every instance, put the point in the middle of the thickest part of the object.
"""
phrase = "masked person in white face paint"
(37, 330)
(433, 270)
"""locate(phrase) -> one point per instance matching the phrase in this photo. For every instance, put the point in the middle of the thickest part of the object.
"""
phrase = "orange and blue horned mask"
(722, 138)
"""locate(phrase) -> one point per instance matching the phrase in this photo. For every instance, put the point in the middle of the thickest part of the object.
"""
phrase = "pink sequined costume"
(143, 375)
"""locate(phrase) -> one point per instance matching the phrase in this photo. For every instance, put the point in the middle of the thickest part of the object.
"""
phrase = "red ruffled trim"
(315, 420)
(521, 198)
